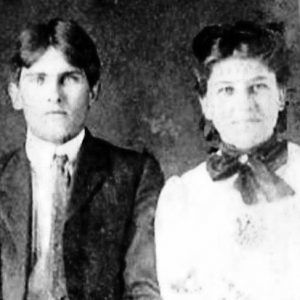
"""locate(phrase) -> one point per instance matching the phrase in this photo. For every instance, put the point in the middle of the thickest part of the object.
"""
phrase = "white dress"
(210, 245)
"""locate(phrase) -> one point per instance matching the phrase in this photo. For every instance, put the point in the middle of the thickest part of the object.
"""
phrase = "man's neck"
(41, 152)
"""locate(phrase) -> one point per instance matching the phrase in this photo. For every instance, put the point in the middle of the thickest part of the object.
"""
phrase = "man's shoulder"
(119, 156)
(100, 146)
(124, 162)
(9, 157)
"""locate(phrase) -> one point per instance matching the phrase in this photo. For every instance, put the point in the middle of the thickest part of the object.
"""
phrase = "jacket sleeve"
(140, 271)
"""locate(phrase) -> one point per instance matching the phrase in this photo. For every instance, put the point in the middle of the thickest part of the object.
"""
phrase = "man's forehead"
(52, 61)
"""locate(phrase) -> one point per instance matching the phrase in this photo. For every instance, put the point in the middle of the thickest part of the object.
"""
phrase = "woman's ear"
(204, 103)
(206, 107)
(15, 97)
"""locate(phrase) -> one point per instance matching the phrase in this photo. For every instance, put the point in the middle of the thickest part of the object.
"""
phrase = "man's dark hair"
(66, 36)
(242, 39)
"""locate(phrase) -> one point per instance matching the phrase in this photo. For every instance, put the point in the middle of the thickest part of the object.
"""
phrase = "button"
(243, 159)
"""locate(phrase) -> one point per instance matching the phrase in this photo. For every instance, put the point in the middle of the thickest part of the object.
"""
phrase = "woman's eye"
(39, 79)
(227, 90)
(255, 88)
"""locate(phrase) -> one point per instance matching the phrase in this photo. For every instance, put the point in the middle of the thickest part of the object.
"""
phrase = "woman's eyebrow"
(221, 82)
(259, 78)
(32, 74)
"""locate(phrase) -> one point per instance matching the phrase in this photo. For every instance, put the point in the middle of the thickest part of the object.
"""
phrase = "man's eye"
(71, 78)
(257, 87)
(227, 90)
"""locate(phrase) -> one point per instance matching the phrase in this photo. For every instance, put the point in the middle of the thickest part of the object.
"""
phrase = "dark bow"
(256, 170)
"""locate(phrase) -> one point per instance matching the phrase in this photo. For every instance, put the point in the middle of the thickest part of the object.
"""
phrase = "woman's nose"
(246, 101)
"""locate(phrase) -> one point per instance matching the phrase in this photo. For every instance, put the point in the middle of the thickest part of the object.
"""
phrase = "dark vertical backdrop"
(147, 97)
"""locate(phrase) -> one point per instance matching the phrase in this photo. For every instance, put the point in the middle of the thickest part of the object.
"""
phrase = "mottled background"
(147, 97)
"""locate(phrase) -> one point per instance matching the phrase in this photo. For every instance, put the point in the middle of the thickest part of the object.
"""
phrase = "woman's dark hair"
(242, 39)
(66, 36)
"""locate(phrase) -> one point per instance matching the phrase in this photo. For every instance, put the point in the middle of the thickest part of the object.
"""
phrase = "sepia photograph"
(149, 150)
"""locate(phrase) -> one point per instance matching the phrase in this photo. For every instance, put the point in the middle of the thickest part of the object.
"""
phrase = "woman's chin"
(245, 143)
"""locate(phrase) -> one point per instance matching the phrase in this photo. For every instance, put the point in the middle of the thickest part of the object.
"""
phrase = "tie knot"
(60, 161)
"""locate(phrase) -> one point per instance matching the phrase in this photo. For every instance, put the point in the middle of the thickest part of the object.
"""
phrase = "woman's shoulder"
(293, 151)
(291, 170)
(175, 194)
(293, 161)
(189, 180)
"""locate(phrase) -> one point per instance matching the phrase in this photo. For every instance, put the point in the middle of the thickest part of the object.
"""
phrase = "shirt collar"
(40, 153)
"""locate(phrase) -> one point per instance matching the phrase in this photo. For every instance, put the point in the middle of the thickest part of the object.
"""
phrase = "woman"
(230, 228)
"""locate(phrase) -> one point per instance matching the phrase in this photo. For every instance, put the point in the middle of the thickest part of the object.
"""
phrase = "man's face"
(54, 96)
(243, 101)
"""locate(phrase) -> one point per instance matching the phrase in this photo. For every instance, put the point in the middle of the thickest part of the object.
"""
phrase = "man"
(76, 212)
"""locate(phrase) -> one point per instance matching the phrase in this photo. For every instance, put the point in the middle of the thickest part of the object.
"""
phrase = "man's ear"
(15, 97)
(94, 91)
(197, 74)
(282, 98)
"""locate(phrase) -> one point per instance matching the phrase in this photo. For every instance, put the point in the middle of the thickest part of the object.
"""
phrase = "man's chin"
(56, 138)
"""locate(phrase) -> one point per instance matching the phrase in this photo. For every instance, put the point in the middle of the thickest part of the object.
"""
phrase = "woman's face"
(243, 100)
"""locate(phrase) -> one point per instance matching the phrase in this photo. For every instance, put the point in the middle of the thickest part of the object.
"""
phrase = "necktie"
(47, 281)
(256, 177)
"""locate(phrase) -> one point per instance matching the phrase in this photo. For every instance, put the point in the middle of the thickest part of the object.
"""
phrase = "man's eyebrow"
(74, 72)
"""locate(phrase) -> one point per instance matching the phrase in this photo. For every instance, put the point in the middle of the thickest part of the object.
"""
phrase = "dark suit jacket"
(108, 236)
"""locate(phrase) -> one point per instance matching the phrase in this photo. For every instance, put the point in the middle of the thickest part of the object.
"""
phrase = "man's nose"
(54, 92)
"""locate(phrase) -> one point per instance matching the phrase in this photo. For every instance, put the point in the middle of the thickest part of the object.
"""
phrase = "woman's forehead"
(240, 69)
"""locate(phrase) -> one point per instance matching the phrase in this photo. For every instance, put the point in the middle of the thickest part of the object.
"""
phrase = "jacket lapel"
(92, 169)
(15, 216)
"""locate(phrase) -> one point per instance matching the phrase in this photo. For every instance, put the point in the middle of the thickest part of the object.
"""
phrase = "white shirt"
(211, 245)
(40, 154)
